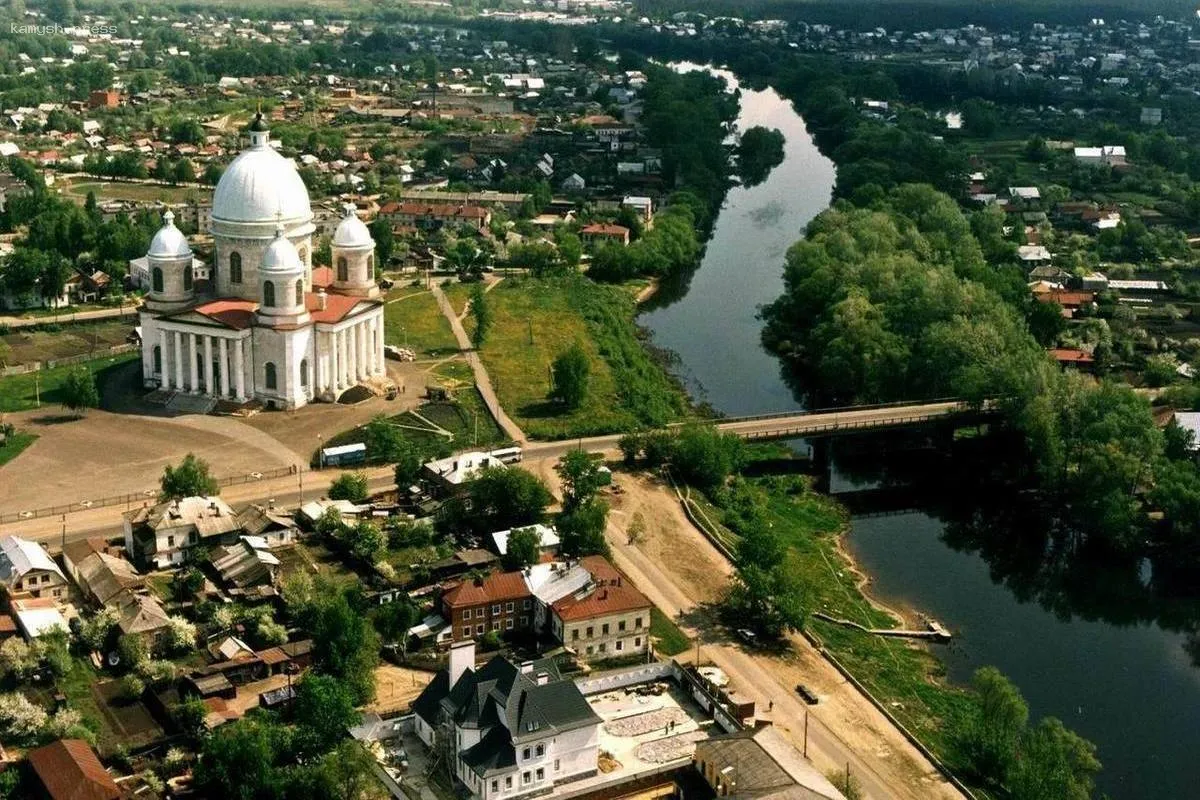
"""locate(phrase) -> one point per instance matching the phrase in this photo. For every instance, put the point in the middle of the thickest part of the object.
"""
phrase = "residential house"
(140, 615)
(449, 475)
(644, 206)
(37, 616)
(548, 540)
(433, 216)
(158, 536)
(500, 602)
(26, 570)
(70, 770)
(1109, 155)
(275, 529)
(759, 763)
(246, 562)
(99, 574)
(507, 730)
(607, 618)
(601, 233)
(104, 98)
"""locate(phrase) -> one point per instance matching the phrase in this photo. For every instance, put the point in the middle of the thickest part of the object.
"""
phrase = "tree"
(570, 372)
(180, 636)
(991, 739)
(79, 390)
(393, 621)
(190, 479)
(20, 719)
(345, 644)
(323, 710)
(581, 477)
(347, 773)
(506, 498)
(1055, 764)
(704, 456)
(350, 486)
(581, 530)
(481, 313)
(524, 549)
(364, 541)
(238, 761)
(636, 531)
(385, 241)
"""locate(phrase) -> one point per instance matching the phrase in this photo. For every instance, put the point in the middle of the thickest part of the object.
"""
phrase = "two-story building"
(26, 570)
(507, 730)
(500, 602)
(158, 536)
(607, 618)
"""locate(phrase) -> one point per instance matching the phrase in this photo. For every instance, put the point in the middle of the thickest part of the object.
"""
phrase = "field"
(412, 319)
(534, 321)
(15, 445)
(141, 192)
(21, 392)
(25, 346)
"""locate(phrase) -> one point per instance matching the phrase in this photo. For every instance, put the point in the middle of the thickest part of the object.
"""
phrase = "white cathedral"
(268, 327)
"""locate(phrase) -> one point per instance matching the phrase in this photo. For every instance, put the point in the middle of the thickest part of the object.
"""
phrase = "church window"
(343, 269)
(371, 264)
(304, 372)
(157, 358)
(270, 369)
(268, 294)
(303, 253)
(235, 267)
(299, 293)
(187, 278)
(156, 279)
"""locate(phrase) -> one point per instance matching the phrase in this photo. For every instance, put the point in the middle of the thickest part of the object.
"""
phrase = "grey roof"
(761, 764)
(255, 519)
(19, 556)
(506, 703)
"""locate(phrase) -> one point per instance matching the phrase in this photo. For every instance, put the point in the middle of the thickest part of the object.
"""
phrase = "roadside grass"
(668, 639)
(21, 392)
(15, 445)
(458, 294)
(466, 418)
(412, 319)
(534, 321)
(24, 345)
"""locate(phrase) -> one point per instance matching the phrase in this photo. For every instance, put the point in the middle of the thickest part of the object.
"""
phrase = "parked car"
(748, 636)
(806, 694)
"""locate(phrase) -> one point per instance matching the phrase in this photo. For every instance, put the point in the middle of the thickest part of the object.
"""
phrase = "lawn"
(14, 445)
(534, 321)
(412, 319)
(21, 392)
(668, 639)
(26, 345)
(458, 294)
(142, 192)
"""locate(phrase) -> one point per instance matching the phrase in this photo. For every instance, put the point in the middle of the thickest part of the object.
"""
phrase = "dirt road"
(684, 575)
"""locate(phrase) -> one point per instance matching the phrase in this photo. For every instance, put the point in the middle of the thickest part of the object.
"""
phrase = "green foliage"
(323, 710)
(345, 644)
(79, 390)
(190, 479)
(759, 151)
(506, 499)
(350, 486)
(570, 372)
(991, 741)
(524, 549)
(581, 477)
(705, 457)
(482, 314)
(581, 529)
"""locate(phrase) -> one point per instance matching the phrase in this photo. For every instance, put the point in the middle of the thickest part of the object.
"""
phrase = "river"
(1131, 689)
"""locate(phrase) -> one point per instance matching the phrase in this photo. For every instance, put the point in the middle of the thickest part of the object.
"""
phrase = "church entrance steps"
(191, 403)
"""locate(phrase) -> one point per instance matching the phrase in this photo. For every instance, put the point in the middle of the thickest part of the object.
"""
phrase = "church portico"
(273, 329)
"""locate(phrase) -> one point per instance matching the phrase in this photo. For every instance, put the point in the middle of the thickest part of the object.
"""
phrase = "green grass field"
(142, 192)
(15, 445)
(414, 320)
(22, 392)
(668, 639)
(534, 321)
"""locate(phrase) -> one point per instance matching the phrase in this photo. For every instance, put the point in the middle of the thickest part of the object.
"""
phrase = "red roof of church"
(322, 277)
(337, 306)
(230, 311)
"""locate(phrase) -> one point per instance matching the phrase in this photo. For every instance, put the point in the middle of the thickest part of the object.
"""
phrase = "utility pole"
(806, 733)
(300, 474)
(37, 388)
(64, 531)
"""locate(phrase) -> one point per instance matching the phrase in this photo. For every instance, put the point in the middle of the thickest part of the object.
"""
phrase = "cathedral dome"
(351, 232)
(261, 186)
(169, 242)
(281, 257)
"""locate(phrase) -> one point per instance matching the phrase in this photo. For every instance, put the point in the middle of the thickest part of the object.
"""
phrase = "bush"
(132, 686)
(350, 486)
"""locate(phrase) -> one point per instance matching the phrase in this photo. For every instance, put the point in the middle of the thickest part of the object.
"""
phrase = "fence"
(93, 315)
(132, 498)
(37, 366)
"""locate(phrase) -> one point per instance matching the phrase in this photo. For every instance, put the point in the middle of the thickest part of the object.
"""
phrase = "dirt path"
(684, 575)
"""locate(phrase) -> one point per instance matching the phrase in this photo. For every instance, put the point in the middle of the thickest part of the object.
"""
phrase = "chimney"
(462, 658)
(543, 678)
(526, 667)
(322, 299)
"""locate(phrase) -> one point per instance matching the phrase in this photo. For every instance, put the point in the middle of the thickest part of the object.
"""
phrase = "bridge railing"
(837, 425)
(801, 412)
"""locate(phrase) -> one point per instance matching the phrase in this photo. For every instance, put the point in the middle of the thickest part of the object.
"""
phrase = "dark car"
(806, 694)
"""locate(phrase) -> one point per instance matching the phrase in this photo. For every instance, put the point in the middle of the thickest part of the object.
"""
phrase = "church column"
(355, 355)
(377, 346)
(334, 364)
(319, 383)
(164, 352)
(209, 389)
(192, 370)
(344, 359)
(239, 372)
(368, 351)
(223, 371)
(178, 359)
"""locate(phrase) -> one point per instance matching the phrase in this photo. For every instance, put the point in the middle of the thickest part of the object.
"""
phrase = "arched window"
(300, 293)
(157, 358)
(268, 294)
(235, 267)
(343, 272)
(187, 278)
(303, 253)
(304, 372)
(270, 368)
(156, 280)
(371, 265)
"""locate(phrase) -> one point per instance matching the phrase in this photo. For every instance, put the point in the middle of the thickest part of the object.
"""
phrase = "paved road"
(69, 316)
(482, 381)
